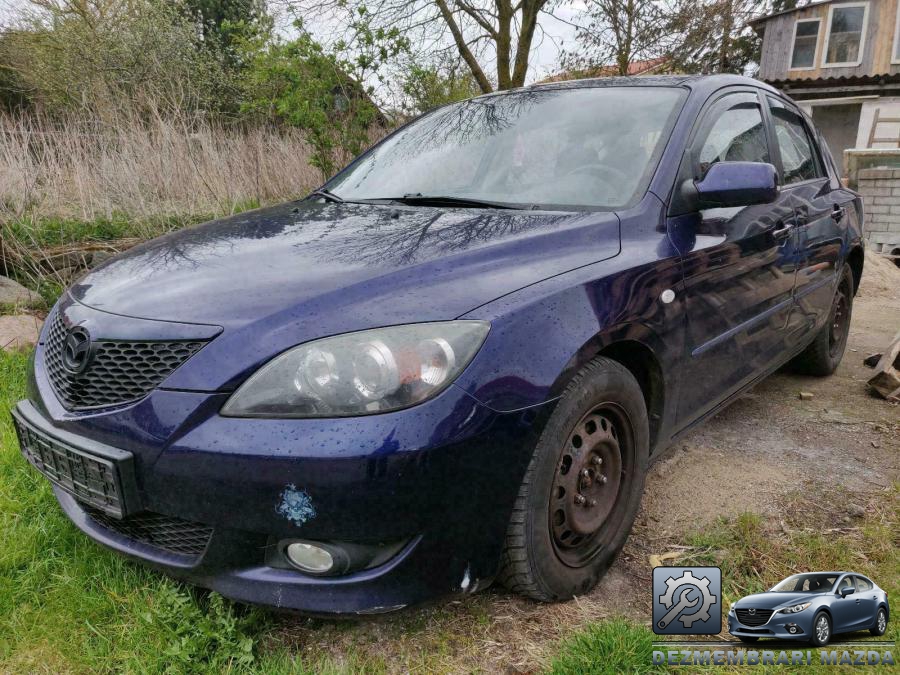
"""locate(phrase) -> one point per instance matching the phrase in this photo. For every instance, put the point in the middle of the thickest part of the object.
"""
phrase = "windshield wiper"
(327, 195)
(417, 198)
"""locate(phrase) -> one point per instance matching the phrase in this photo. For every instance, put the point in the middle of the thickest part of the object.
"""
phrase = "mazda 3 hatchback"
(453, 362)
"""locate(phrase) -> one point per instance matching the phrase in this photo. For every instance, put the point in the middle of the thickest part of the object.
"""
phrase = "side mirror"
(731, 184)
(847, 590)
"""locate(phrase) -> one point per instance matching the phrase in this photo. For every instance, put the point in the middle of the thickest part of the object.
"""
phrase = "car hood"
(346, 266)
(773, 600)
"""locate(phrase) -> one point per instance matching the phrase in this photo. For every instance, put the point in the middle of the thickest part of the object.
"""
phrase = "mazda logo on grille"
(751, 611)
(77, 350)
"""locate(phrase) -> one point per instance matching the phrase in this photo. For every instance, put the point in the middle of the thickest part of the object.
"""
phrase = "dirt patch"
(843, 446)
(881, 277)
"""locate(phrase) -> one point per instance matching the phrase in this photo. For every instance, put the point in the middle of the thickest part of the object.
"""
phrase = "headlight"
(362, 373)
(795, 608)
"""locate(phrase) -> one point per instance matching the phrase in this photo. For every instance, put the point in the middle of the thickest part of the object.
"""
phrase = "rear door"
(822, 213)
(739, 263)
(867, 602)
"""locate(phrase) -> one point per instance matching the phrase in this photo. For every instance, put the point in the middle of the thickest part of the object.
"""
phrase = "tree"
(301, 83)
(714, 36)
(427, 87)
(618, 32)
(480, 32)
(105, 56)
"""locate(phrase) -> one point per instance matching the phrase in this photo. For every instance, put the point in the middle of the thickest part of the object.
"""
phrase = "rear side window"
(798, 155)
(863, 584)
(737, 135)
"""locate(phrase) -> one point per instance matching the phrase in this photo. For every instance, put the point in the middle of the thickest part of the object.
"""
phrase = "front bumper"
(778, 627)
(440, 479)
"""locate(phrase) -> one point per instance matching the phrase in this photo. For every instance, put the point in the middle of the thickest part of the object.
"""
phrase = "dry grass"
(74, 169)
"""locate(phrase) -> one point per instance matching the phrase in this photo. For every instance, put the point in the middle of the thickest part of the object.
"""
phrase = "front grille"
(760, 616)
(119, 371)
(168, 533)
(90, 479)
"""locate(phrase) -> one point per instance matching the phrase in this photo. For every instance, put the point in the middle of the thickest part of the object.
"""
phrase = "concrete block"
(889, 200)
(877, 208)
(879, 192)
(867, 174)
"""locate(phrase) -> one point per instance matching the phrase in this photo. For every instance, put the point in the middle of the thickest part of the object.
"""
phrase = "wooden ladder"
(880, 120)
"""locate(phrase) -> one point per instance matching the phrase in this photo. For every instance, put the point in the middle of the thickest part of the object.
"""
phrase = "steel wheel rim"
(592, 468)
(840, 318)
(882, 621)
(822, 629)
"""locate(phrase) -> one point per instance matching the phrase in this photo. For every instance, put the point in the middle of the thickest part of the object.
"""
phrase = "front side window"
(798, 155)
(863, 584)
(593, 147)
(737, 135)
(846, 34)
(816, 582)
(806, 42)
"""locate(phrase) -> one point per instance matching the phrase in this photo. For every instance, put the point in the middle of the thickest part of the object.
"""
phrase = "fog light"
(310, 558)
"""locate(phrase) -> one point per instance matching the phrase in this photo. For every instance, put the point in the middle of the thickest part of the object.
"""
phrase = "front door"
(739, 264)
(844, 611)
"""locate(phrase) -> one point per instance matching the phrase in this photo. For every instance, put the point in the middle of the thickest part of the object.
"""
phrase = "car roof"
(701, 83)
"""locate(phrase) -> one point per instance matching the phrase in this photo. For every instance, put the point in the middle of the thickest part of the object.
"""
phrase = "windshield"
(589, 147)
(806, 583)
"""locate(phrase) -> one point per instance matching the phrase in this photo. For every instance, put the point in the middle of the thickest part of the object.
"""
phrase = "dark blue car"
(812, 607)
(453, 363)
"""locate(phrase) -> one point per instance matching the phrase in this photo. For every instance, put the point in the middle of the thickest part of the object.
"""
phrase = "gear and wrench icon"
(674, 609)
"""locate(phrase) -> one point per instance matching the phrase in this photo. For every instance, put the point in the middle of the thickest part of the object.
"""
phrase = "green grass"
(607, 648)
(45, 232)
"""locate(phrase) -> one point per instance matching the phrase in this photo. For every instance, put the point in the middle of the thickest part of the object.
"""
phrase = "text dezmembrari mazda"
(452, 363)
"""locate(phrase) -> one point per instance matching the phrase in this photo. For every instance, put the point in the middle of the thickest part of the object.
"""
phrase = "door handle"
(837, 213)
(782, 230)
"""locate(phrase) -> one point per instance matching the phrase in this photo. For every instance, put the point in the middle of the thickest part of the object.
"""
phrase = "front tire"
(880, 627)
(582, 488)
(821, 630)
(824, 354)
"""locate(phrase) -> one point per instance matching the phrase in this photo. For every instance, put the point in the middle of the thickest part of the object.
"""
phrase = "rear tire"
(880, 627)
(824, 354)
(582, 488)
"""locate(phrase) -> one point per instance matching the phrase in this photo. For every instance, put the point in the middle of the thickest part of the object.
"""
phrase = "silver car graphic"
(811, 607)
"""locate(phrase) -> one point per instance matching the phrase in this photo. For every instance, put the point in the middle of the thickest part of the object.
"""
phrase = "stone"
(856, 511)
(19, 331)
(14, 293)
(101, 257)
(806, 396)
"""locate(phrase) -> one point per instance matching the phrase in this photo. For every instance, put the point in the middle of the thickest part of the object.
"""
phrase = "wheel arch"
(856, 260)
(639, 351)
